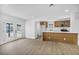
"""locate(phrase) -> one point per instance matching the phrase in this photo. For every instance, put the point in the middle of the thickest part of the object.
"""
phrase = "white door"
(37, 29)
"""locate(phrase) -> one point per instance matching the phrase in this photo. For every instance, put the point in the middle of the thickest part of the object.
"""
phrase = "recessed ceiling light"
(32, 16)
(66, 10)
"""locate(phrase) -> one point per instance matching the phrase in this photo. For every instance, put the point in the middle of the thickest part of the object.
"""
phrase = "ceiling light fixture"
(66, 10)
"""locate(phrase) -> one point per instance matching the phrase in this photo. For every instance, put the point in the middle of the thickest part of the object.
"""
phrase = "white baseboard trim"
(30, 38)
(11, 41)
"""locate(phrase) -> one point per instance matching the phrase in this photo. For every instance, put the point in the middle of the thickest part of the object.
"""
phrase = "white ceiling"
(36, 11)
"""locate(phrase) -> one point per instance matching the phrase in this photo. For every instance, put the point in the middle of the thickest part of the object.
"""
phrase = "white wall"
(75, 23)
(1, 8)
(30, 29)
(4, 18)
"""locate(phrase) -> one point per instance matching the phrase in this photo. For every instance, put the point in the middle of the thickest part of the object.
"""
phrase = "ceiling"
(36, 11)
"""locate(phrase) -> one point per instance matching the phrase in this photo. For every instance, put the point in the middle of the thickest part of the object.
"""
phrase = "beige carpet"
(38, 47)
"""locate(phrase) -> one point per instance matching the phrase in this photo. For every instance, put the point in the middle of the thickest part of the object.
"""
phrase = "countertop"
(60, 32)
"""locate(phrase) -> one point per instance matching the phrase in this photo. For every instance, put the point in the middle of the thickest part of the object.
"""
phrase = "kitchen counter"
(65, 37)
(60, 32)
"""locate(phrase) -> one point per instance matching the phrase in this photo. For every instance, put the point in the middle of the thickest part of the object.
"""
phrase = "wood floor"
(38, 47)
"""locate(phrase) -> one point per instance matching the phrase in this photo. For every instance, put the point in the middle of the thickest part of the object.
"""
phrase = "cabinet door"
(51, 37)
(57, 24)
(65, 23)
(59, 37)
(71, 38)
(44, 23)
(46, 36)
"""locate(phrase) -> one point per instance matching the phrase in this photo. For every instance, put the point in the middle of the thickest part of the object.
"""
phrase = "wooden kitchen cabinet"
(65, 23)
(44, 23)
(71, 38)
(60, 37)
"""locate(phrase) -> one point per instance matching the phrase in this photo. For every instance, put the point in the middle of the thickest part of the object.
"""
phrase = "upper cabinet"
(65, 23)
(44, 23)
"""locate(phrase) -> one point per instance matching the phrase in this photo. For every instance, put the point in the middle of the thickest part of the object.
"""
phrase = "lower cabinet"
(60, 37)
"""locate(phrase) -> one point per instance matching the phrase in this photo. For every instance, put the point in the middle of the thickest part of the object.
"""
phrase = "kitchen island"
(65, 37)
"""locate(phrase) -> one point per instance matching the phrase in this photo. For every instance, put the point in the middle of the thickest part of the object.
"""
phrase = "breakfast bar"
(64, 37)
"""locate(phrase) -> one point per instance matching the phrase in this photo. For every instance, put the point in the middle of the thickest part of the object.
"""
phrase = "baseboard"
(30, 38)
